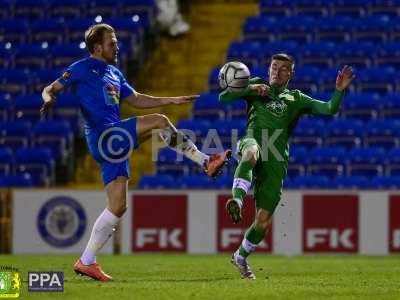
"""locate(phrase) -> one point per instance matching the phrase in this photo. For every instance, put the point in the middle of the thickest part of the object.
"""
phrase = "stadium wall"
(59, 221)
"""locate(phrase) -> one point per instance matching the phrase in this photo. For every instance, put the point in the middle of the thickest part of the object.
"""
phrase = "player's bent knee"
(263, 220)
(251, 154)
(162, 121)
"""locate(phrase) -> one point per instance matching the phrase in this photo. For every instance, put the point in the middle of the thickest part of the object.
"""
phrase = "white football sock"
(103, 229)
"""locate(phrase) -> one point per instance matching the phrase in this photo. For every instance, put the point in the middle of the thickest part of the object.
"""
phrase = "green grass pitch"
(156, 276)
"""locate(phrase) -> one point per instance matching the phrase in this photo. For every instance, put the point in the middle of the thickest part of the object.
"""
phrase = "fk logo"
(333, 237)
(163, 237)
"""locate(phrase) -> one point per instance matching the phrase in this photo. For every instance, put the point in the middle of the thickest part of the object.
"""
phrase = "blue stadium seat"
(213, 84)
(38, 162)
(224, 182)
(48, 30)
(390, 106)
(104, 8)
(327, 161)
(6, 161)
(197, 182)
(76, 28)
(27, 107)
(14, 81)
(30, 9)
(312, 182)
(6, 7)
(380, 80)
(382, 133)
(247, 52)
(304, 79)
(356, 54)
(6, 57)
(319, 54)
(363, 106)
(372, 28)
(352, 182)
(259, 28)
(388, 55)
(5, 108)
(295, 28)
(315, 8)
(298, 158)
(236, 109)
(392, 163)
(208, 107)
(43, 78)
(55, 135)
(334, 29)
(146, 9)
(158, 182)
(63, 55)
(14, 31)
(389, 8)
(309, 132)
(386, 182)
(347, 133)
(66, 108)
(15, 134)
(16, 181)
(348, 8)
(67, 9)
(30, 56)
(172, 163)
(365, 161)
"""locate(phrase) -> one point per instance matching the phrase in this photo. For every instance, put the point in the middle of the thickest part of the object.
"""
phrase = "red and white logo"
(159, 223)
(394, 223)
(330, 223)
(230, 235)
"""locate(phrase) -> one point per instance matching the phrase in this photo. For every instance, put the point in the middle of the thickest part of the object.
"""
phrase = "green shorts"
(268, 177)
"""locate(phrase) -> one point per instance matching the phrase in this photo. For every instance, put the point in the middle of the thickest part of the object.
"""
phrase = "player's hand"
(261, 89)
(184, 99)
(48, 101)
(344, 78)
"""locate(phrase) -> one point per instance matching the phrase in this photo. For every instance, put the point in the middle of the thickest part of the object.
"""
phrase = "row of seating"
(37, 163)
(310, 79)
(319, 54)
(354, 8)
(300, 182)
(34, 9)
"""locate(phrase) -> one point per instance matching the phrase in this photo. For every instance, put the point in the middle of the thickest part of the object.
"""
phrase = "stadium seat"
(68, 9)
(388, 8)
(213, 84)
(44, 77)
(390, 106)
(27, 107)
(63, 55)
(348, 8)
(308, 132)
(197, 182)
(278, 8)
(312, 182)
(55, 135)
(379, 80)
(66, 108)
(5, 108)
(157, 182)
(356, 54)
(6, 56)
(30, 56)
(388, 55)
(14, 81)
(16, 181)
(298, 158)
(361, 106)
(104, 8)
(38, 162)
(382, 133)
(208, 107)
(6, 161)
(347, 133)
(372, 29)
(14, 31)
(319, 54)
(392, 162)
(30, 9)
(365, 161)
(295, 28)
(334, 29)
(327, 161)
(259, 28)
(386, 182)
(247, 52)
(15, 134)
(49, 30)
(314, 8)
(76, 28)
(304, 79)
(352, 182)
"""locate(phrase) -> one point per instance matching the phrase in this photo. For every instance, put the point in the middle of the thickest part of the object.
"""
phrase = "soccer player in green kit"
(272, 113)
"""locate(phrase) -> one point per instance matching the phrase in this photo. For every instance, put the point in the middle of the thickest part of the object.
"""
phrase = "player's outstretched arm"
(256, 87)
(139, 100)
(49, 95)
(343, 80)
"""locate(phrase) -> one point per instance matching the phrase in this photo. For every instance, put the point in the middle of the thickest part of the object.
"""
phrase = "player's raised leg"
(243, 177)
(179, 142)
(252, 238)
(103, 229)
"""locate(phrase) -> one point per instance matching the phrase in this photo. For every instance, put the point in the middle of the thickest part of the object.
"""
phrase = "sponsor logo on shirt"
(111, 93)
(277, 108)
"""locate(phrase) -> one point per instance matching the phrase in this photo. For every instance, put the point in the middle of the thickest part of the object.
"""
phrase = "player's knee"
(119, 209)
(161, 121)
(263, 220)
(251, 154)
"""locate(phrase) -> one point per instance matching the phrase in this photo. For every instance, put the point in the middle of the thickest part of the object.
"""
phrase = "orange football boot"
(216, 162)
(94, 271)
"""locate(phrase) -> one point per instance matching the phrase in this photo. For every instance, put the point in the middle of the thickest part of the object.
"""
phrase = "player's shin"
(182, 144)
(103, 229)
(250, 241)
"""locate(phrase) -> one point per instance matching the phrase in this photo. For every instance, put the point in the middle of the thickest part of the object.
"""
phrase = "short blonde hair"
(94, 35)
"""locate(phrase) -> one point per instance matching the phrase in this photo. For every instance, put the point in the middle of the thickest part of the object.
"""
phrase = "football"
(234, 76)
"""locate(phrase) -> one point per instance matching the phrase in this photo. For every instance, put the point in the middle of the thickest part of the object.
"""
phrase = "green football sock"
(252, 238)
(242, 179)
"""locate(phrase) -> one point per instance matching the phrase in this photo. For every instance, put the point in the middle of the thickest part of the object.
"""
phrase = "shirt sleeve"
(70, 76)
(308, 105)
(126, 88)
(226, 96)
